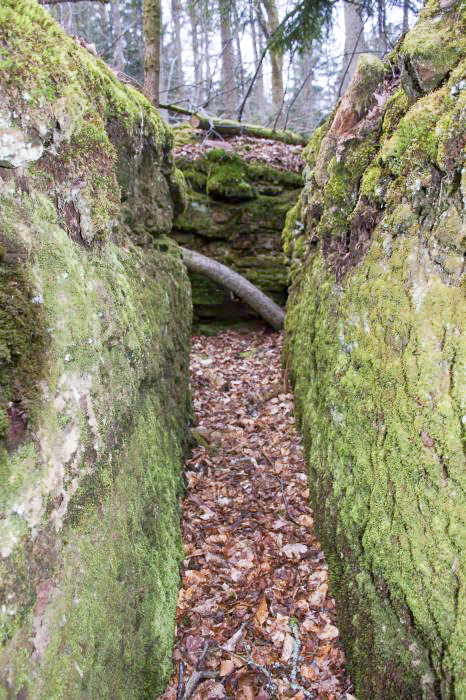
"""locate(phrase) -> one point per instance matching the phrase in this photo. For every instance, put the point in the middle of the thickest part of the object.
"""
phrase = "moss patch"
(95, 318)
(376, 354)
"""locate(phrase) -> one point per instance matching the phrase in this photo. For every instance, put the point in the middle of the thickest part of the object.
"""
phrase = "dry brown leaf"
(308, 673)
(192, 576)
(210, 690)
(287, 649)
(294, 551)
(226, 667)
(246, 691)
(299, 695)
(329, 632)
(305, 520)
(262, 611)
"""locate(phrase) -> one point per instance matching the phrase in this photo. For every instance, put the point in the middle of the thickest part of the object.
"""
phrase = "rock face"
(94, 338)
(376, 350)
(239, 192)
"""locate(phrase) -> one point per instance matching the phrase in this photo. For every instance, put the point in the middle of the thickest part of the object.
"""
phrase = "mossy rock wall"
(376, 350)
(235, 214)
(95, 315)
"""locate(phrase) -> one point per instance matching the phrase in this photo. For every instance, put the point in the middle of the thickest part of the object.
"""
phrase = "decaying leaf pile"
(254, 619)
(252, 150)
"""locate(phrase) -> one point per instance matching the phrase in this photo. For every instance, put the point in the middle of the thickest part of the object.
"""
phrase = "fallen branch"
(228, 127)
(249, 661)
(199, 674)
(282, 487)
(236, 283)
(295, 686)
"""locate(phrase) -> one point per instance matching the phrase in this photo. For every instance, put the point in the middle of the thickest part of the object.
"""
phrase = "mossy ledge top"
(95, 314)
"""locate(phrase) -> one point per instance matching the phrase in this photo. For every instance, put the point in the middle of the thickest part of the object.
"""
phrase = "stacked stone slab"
(95, 318)
(235, 214)
(376, 349)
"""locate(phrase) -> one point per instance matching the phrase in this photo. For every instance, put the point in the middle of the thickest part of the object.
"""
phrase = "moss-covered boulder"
(238, 194)
(376, 349)
(94, 339)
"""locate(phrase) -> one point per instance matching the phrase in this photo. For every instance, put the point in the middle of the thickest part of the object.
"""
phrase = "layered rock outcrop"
(238, 194)
(95, 315)
(376, 350)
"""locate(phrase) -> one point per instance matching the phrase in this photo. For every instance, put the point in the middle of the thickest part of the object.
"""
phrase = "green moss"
(94, 400)
(370, 72)
(22, 340)
(371, 186)
(397, 105)
(415, 141)
(433, 47)
(227, 179)
(375, 351)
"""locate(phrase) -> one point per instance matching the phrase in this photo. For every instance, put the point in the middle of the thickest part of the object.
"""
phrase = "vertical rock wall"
(238, 194)
(94, 339)
(376, 350)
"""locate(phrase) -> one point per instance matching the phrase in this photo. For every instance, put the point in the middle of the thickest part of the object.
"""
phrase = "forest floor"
(255, 619)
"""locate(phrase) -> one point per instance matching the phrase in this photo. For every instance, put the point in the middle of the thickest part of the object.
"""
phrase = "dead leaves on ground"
(253, 572)
(274, 153)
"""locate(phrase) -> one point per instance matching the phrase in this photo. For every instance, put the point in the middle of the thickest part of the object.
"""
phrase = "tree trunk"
(197, 61)
(308, 78)
(354, 43)
(276, 56)
(405, 16)
(118, 57)
(257, 49)
(152, 28)
(228, 75)
(236, 283)
(207, 88)
(176, 12)
(239, 58)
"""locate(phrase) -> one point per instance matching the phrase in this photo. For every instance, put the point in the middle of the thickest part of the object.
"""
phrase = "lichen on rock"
(95, 315)
(375, 347)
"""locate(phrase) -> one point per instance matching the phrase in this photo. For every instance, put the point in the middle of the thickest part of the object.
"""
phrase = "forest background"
(279, 63)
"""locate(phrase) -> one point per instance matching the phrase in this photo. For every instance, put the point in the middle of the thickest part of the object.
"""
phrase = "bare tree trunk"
(206, 52)
(308, 77)
(382, 27)
(176, 12)
(194, 20)
(229, 87)
(68, 18)
(118, 56)
(405, 16)
(239, 59)
(236, 283)
(354, 42)
(257, 49)
(152, 29)
(276, 56)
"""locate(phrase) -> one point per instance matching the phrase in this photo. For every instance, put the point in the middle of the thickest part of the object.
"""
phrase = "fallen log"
(236, 283)
(229, 127)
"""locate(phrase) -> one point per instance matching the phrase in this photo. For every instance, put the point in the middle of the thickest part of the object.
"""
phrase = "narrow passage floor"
(254, 619)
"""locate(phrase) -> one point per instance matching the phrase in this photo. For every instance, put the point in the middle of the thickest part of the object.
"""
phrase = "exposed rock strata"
(94, 338)
(376, 325)
(239, 192)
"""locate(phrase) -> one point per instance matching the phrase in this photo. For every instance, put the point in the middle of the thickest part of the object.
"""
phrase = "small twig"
(179, 690)
(198, 675)
(282, 486)
(295, 661)
(249, 661)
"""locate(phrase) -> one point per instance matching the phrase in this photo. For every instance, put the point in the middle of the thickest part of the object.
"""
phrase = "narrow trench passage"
(254, 618)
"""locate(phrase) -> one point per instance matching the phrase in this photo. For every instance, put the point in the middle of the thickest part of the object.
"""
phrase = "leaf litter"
(255, 619)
